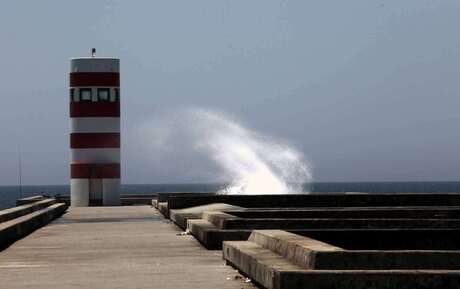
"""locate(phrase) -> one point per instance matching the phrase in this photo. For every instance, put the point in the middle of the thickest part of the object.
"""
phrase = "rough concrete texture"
(312, 254)
(125, 199)
(15, 212)
(272, 270)
(292, 224)
(295, 248)
(180, 216)
(17, 228)
(163, 208)
(446, 212)
(211, 237)
(163, 197)
(113, 247)
(318, 200)
(28, 200)
(226, 220)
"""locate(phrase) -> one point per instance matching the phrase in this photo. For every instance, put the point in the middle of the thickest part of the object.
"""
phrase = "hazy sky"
(369, 90)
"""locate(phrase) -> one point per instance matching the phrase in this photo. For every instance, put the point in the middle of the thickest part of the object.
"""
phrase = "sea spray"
(253, 163)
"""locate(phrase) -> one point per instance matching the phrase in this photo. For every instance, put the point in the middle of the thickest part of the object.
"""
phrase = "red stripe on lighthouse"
(94, 140)
(96, 171)
(94, 79)
(95, 109)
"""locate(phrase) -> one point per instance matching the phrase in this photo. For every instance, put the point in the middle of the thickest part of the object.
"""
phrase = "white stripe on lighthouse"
(95, 124)
(79, 192)
(96, 155)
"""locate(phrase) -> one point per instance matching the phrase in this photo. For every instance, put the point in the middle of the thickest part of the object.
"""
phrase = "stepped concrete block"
(15, 229)
(300, 250)
(163, 208)
(445, 212)
(29, 200)
(272, 270)
(318, 200)
(212, 237)
(312, 254)
(12, 213)
(327, 223)
(180, 216)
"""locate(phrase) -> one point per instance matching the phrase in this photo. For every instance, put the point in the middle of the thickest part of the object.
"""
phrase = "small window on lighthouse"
(85, 94)
(103, 94)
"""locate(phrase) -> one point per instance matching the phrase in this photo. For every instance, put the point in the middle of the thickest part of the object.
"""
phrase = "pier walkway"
(113, 247)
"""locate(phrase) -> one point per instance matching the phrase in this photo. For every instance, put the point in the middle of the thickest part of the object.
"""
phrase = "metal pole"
(20, 172)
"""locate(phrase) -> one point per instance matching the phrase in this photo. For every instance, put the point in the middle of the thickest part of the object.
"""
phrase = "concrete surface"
(312, 254)
(15, 212)
(317, 200)
(180, 216)
(125, 199)
(15, 229)
(446, 212)
(33, 199)
(277, 259)
(163, 196)
(113, 247)
(211, 236)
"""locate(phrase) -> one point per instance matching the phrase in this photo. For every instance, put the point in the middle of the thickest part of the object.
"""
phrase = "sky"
(368, 90)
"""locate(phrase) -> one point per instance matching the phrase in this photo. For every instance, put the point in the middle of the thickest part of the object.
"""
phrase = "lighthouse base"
(94, 192)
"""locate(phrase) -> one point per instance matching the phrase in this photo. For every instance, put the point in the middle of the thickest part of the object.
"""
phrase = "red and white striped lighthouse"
(95, 131)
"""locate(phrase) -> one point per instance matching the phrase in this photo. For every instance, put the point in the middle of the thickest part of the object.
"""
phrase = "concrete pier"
(113, 247)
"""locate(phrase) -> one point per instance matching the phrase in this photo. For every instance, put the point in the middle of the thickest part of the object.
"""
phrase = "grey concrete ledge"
(18, 228)
(180, 216)
(317, 200)
(272, 270)
(313, 254)
(11, 213)
(29, 200)
(212, 237)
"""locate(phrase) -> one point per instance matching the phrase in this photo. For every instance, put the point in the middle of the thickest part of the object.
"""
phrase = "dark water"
(9, 194)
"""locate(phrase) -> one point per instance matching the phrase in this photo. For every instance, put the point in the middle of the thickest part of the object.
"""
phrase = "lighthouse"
(94, 131)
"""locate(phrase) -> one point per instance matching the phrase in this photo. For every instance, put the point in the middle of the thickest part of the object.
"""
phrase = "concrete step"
(339, 223)
(312, 254)
(272, 270)
(180, 216)
(212, 237)
(29, 200)
(295, 248)
(163, 208)
(259, 264)
(27, 208)
(317, 200)
(18, 228)
(445, 212)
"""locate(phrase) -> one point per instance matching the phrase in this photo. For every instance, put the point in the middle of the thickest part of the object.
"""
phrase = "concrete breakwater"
(113, 247)
(336, 241)
(31, 214)
(352, 241)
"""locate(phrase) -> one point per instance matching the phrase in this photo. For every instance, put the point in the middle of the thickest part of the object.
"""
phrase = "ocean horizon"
(9, 194)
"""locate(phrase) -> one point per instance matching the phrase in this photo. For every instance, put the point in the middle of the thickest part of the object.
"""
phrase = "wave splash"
(255, 163)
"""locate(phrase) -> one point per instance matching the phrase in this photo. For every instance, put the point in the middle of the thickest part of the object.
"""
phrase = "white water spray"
(254, 163)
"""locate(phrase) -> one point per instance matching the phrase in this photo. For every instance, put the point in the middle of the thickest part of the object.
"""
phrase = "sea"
(9, 194)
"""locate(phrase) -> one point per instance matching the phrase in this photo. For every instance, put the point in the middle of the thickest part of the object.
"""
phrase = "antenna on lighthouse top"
(93, 52)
